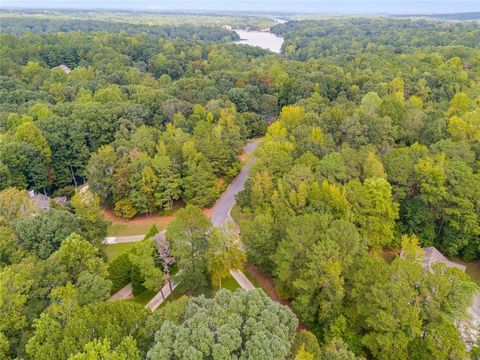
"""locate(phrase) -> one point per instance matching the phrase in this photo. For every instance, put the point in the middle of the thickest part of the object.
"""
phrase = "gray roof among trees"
(64, 68)
(432, 255)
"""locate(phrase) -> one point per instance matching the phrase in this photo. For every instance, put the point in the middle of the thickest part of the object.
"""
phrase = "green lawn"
(113, 250)
(230, 283)
(129, 229)
(240, 217)
(144, 297)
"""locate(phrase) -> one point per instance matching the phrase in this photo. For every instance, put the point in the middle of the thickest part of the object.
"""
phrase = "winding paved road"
(161, 296)
(220, 214)
(124, 293)
(223, 206)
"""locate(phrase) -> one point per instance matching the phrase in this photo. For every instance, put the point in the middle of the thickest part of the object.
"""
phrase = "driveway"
(223, 206)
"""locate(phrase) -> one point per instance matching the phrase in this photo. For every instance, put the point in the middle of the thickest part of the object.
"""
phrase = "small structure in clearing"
(64, 68)
(42, 202)
(432, 255)
(469, 328)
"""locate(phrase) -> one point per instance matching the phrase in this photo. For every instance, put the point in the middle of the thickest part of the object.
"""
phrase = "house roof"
(469, 329)
(64, 68)
(432, 255)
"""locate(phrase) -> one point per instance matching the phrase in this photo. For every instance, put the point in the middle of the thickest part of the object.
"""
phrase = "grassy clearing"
(240, 217)
(230, 283)
(130, 229)
(144, 297)
(113, 250)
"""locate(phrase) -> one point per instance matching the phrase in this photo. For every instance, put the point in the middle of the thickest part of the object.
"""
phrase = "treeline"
(124, 90)
(21, 25)
(454, 16)
(345, 39)
(54, 283)
(193, 160)
(377, 145)
(389, 161)
(160, 18)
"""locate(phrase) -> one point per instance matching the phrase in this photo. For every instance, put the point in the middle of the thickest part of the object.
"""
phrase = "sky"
(277, 6)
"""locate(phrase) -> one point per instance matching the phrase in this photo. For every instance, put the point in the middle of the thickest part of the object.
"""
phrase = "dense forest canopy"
(152, 18)
(370, 140)
(19, 26)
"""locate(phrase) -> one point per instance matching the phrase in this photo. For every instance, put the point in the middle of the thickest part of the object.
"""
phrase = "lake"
(264, 39)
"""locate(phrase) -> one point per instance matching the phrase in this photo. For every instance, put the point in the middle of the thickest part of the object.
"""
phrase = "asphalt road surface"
(124, 293)
(220, 215)
(221, 209)
(223, 206)
(161, 296)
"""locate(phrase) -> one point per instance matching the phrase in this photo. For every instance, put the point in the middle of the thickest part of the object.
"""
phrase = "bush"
(137, 280)
(120, 272)
(125, 209)
(151, 232)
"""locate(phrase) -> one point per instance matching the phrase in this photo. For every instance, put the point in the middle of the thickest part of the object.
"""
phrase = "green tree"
(320, 288)
(24, 166)
(224, 253)
(375, 212)
(9, 252)
(15, 285)
(77, 255)
(172, 311)
(92, 288)
(336, 349)
(141, 257)
(125, 209)
(303, 355)
(411, 249)
(30, 134)
(308, 341)
(152, 231)
(199, 182)
(88, 212)
(255, 327)
(65, 328)
(100, 170)
(102, 350)
(386, 304)
(119, 270)
(43, 234)
(14, 204)
(168, 182)
(443, 341)
(260, 241)
(188, 238)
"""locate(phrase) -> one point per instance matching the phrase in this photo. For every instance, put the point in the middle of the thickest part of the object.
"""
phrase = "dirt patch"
(266, 283)
(243, 158)
(390, 254)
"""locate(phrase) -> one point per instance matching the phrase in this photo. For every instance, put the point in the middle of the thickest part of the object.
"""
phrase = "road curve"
(223, 206)
(220, 213)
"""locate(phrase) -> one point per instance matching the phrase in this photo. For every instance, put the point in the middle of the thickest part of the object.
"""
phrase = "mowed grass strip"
(113, 250)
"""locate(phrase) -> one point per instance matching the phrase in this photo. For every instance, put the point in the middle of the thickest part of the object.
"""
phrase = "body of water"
(264, 39)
